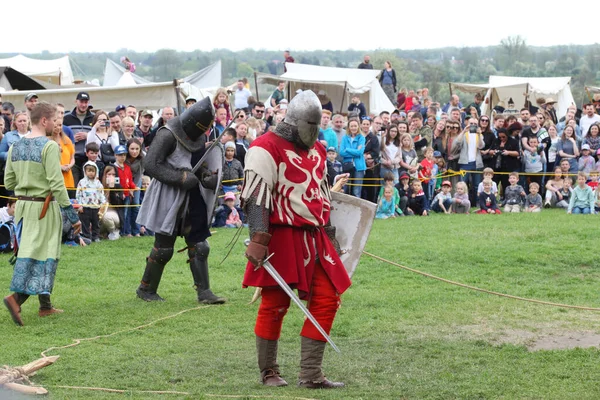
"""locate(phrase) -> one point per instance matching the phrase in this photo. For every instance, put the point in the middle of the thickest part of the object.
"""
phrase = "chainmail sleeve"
(155, 162)
(260, 176)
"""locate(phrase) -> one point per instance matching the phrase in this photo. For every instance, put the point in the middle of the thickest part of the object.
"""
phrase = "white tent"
(502, 88)
(339, 84)
(115, 74)
(145, 96)
(57, 71)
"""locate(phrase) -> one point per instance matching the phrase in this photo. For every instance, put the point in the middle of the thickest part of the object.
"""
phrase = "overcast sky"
(82, 26)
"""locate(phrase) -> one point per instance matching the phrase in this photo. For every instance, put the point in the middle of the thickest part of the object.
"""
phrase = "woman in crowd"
(111, 215)
(391, 155)
(551, 148)
(506, 153)
(67, 155)
(553, 187)
(19, 128)
(488, 139)
(100, 134)
(241, 142)
(568, 147)
(402, 127)
(128, 127)
(431, 121)
(593, 139)
(401, 100)
(352, 153)
(439, 137)
(387, 79)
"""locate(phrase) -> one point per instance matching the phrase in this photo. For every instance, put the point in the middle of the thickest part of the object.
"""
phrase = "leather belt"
(29, 198)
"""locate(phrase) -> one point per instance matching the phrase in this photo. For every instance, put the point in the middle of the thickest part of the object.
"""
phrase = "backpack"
(7, 237)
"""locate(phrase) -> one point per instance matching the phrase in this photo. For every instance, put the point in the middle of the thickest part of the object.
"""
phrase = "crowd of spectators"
(423, 157)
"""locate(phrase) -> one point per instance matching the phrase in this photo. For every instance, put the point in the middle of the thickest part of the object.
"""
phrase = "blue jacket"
(331, 138)
(352, 149)
(8, 140)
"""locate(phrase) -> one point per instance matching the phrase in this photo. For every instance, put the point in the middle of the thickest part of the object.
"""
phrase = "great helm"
(304, 113)
(198, 119)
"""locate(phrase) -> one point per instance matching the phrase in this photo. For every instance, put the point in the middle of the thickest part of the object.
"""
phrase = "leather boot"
(311, 362)
(12, 304)
(198, 259)
(46, 307)
(267, 362)
(155, 265)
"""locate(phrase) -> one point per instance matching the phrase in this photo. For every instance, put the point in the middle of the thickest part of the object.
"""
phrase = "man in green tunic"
(33, 173)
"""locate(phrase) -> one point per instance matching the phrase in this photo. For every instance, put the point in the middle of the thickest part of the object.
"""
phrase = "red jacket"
(125, 179)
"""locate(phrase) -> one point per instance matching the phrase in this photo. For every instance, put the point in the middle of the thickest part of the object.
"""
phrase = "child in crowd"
(586, 160)
(488, 173)
(334, 167)
(461, 203)
(553, 186)
(126, 182)
(443, 200)
(388, 181)
(593, 182)
(417, 201)
(233, 172)
(91, 152)
(563, 196)
(111, 218)
(68, 233)
(533, 201)
(513, 194)
(7, 213)
(426, 172)
(386, 206)
(403, 189)
(134, 160)
(534, 160)
(90, 197)
(229, 215)
(582, 199)
(487, 200)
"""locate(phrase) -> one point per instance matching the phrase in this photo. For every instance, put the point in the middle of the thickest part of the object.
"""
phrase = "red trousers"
(497, 211)
(323, 303)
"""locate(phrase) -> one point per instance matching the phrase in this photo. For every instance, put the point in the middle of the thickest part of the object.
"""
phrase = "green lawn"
(401, 335)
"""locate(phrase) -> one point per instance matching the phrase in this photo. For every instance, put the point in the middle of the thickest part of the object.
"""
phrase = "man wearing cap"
(80, 115)
(287, 200)
(30, 101)
(190, 101)
(144, 127)
(121, 109)
(174, 204)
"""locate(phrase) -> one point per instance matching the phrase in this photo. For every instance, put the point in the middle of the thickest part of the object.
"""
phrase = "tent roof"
(542, 85)
(11, 79)
(208, 77)
(44, 70)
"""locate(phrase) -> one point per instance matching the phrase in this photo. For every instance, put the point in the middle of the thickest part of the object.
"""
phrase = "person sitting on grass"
(443, 200)
(386, 206)
(487, 200)
(513, 194)
(553, 187)
(403, 189)
(564, 194)
(417, 201)
(228, 215)
(582, 199)
(533, 201)
(461, 203)
(388, 182)
(593, 182)
(488, 173)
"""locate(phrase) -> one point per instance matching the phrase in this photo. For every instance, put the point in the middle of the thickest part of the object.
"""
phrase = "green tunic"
(33, 170)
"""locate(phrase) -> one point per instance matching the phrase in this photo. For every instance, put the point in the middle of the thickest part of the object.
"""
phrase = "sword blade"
(275, 275)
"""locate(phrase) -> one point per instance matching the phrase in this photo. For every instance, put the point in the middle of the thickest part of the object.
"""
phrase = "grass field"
(402, 336)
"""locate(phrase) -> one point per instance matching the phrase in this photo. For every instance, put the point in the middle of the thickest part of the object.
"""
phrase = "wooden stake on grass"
(12, 378)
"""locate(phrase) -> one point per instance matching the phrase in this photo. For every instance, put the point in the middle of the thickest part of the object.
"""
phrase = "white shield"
(353, 219)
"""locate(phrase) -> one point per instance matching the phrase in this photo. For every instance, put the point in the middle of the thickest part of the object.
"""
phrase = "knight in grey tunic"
(176, 202)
